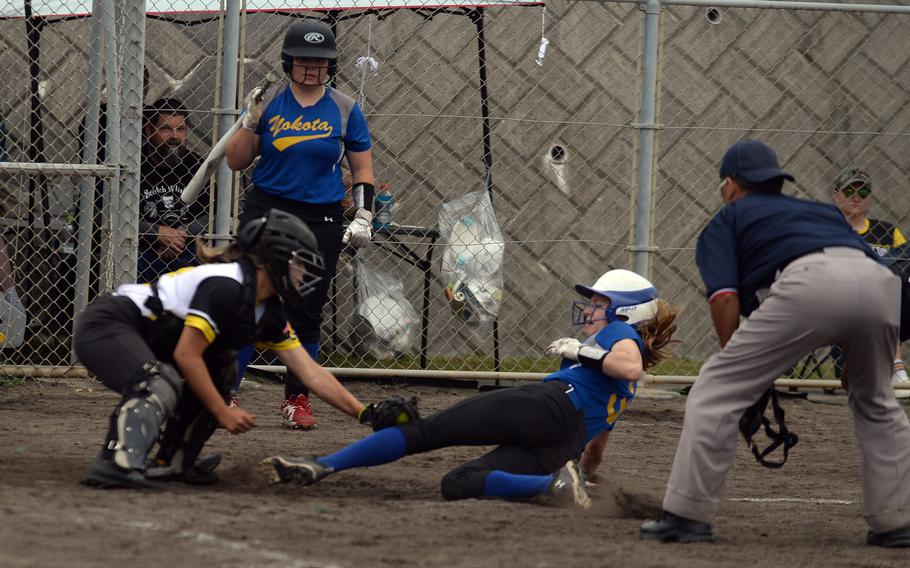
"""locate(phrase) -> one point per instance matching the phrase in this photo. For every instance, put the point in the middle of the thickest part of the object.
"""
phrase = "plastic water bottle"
(382, 207)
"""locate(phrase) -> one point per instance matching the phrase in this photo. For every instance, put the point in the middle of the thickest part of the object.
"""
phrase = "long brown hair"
(657, 333)
(225, 253)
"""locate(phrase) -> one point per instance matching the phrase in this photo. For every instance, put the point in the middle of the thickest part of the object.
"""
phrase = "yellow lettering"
(278, 124)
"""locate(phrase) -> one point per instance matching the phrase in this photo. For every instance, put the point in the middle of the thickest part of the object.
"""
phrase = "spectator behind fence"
(853, 196)
(302, 131)
(167, 226)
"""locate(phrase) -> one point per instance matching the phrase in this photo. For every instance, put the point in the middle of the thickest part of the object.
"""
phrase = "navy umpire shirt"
(748, 241)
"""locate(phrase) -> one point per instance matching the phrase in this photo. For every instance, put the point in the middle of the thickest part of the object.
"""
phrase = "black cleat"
(104, 474)
(201, 473)
(304, 471)
(898, 538)
(673, 528)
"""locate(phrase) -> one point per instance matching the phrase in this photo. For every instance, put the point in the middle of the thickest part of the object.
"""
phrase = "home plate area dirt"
(807, 514)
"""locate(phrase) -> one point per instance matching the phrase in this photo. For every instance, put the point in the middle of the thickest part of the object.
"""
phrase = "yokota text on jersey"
(302, 147)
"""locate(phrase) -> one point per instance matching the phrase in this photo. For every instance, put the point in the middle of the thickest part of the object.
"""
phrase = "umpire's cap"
(753, 161)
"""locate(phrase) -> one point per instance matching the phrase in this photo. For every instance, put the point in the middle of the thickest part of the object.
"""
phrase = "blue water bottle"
(382, 207)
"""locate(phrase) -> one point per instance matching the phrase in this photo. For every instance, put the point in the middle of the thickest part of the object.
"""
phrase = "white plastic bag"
(384, 323)
(472, 261)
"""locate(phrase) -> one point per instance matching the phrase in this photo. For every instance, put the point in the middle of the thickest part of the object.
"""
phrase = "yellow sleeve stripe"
(202, 325)
(289, 343)
(898, 238)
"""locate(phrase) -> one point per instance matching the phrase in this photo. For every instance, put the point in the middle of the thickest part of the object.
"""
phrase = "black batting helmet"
(288, 249)
(309, 38)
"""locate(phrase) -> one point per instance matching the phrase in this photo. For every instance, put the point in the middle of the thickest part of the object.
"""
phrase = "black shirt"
(159, 197)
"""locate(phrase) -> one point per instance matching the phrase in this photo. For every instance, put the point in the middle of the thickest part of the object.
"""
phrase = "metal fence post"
(87, 185)
(112, 148)
(133, 37)
(225, 120)
(646, 128)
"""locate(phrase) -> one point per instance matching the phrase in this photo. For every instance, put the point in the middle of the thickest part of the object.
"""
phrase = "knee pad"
(142, 412)
(163, 384)
(462, 483)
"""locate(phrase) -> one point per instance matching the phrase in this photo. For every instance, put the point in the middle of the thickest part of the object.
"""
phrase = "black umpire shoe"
(898, 538)
(673, 528)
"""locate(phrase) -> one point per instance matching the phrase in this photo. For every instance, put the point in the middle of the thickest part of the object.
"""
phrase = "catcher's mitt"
(389, 412)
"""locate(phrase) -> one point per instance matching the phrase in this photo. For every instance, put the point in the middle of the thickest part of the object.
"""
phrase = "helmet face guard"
(579, 307)
(287, 63)
(305, 269)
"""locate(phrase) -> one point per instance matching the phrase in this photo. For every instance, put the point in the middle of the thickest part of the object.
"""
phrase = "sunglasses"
(863, 192)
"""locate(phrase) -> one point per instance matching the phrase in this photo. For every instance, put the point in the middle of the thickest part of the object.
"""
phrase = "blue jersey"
(603, 398)
(302, 147)
(748, 241)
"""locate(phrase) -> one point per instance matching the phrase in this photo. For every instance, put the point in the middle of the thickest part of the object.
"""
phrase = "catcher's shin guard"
(136, 421)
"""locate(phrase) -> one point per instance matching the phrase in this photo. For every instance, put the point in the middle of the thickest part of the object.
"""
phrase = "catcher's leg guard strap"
(184, 438)
(141, 413)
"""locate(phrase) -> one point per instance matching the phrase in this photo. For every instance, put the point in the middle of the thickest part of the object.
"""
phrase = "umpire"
(802, 279)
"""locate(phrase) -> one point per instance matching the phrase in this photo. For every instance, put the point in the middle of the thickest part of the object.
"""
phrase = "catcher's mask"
(310, 38)
(288, 250)
(754, 418)
(633, 299)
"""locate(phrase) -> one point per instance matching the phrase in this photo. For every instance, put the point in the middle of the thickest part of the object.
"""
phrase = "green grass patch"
(673, 366)
(468, 363)
(7, 382)
(677, 366)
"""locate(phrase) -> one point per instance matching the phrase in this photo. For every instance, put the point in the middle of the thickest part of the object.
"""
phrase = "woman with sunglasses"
(540, 430)
(852, 195)
(145, 340)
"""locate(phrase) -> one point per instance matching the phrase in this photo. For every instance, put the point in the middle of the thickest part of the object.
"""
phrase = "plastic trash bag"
(384, 324)
(472, 258)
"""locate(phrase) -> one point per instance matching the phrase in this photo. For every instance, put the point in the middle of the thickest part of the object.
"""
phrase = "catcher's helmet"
(309, 38)
(633, 299)
(289, 251)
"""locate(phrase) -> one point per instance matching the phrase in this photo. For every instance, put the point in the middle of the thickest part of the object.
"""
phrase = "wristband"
(363, 196)
(591, 356)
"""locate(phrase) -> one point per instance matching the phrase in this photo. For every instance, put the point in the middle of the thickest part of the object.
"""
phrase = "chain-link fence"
(599, 151)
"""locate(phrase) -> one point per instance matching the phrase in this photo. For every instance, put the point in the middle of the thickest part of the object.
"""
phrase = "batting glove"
(254, 108)
(565, 347)
(360, 231)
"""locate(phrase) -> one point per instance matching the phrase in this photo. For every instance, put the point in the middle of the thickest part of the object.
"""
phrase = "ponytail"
(656, 333)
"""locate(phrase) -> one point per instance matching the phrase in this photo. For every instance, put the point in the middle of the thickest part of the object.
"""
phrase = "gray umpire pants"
(835, 296)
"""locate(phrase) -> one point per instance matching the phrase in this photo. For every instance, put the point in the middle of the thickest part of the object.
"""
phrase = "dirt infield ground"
(807, 514)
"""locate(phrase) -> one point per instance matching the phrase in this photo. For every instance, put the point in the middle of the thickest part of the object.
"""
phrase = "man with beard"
(167, 226)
